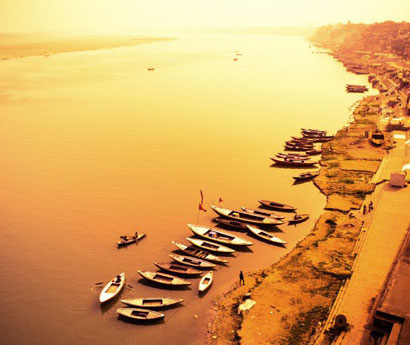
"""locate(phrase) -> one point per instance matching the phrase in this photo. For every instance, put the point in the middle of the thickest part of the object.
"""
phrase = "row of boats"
(202, 253)
(304, 144)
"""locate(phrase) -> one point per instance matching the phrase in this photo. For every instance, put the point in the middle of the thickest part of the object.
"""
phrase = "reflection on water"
(94, 146)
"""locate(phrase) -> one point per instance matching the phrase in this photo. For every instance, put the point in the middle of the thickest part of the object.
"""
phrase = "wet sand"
(19, 46)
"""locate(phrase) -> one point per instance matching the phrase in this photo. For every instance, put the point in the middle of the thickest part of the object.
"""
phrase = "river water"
(93, 146)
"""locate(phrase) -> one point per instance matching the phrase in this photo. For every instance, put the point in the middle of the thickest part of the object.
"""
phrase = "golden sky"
(132, 16)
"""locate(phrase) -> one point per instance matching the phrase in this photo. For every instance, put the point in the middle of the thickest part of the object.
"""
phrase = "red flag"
(201, 207)
(220, 199)
(202, 197)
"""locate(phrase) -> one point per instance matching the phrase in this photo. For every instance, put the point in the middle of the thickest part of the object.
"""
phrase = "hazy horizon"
(130, 17)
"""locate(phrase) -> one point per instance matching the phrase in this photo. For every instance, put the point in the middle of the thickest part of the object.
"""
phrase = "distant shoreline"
(12, 50)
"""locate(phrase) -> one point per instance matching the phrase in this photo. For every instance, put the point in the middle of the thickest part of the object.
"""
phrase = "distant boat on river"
(277, 206)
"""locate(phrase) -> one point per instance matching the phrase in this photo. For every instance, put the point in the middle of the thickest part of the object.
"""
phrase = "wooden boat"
(377, 138)
(202, 254)
(299, 218)
(206, 281)
(112, 288)
(177, 269)
(140, 314)
(125, 240)
(306, 176)
(299, 143)
(243, 216)
(277, 206)
(289, 154)
(152, 302)
(190, 261)
(218, 236)
(317, 131)
(212, 246)
(313, 152)
(162, 278)
(324, 139)
(265, 235)
(292, 157)
(264, 213)
(295, 162)
(298, 148)
(231, 223)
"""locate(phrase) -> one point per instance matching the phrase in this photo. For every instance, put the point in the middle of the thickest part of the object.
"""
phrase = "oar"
(99, 283)
(130, 286)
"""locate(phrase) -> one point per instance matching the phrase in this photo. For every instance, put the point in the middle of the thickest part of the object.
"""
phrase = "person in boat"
(296, 217)
(117, 278)
(241, 278)
(136, 235)
(364, 209)
(370, 206)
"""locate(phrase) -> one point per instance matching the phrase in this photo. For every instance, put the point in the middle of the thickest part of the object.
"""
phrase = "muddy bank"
(295, 294)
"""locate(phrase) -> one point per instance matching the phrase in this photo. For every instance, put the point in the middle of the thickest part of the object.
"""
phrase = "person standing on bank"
(241, 279)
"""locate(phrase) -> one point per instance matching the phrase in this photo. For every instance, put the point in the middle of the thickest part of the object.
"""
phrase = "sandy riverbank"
(19, 46)
(294, 295)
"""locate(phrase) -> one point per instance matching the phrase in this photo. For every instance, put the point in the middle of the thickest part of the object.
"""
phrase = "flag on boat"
(201, 207)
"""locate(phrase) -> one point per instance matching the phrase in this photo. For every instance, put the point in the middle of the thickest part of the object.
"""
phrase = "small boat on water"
(264, 213)
(298, 148)
(277, 206)
(190, 261)
(263, 235)
(212, 246)
(231, 223)
(206, 281)
(299, 218)
(315, 131)
(162, 278)
(377, 138)
(140, 314)
(313, 152)
(218, 236)
(243, 216)
(299, 143)
(306, 176)
(112, 288)
(177, 269)
(202, 254)
(125, 240)
(292, 157)
(289, 155)
(152, 302)
(324, 139)
(295, 162)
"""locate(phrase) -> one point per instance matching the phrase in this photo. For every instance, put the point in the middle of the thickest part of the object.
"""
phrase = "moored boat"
(218, 236)
(265, 214)
(277, 206)
(206, 281)
(152, 302)
(299, 148)
(243, 216)
(263, 235)
(202, 254)
(306, 176)
(212, 246)
(231, 223)
(125, 240)
(295, 162)
(299, 143)
(112, 288)
(190, 261)
(299, 218)
(162, 278)
(140, 314)
(178, 269)
(377, 138)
